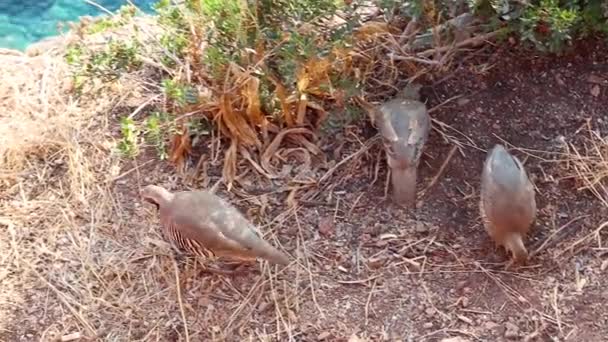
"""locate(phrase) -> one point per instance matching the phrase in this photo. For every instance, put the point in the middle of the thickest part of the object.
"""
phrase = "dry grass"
(64, 270)
(588, 162)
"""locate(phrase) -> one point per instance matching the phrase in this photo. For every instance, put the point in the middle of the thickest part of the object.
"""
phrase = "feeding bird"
(202, 223)
(507, 201)
(404, 124)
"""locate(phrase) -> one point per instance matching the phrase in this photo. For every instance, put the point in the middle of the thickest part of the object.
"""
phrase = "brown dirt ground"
(363, 265)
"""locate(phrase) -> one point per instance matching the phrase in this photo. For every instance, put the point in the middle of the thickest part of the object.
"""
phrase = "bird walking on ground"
(507, 202)
(404, 124)
(203, 224)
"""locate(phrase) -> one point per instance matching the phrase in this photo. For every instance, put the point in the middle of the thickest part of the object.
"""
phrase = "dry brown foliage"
(241, 117)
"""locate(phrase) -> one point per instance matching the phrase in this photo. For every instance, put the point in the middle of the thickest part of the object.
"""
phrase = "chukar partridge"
(507, 203)
(203, 224)
(404, 125)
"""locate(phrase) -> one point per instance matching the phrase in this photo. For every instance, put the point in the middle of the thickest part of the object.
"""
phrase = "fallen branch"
(474, 41)
(441, 170)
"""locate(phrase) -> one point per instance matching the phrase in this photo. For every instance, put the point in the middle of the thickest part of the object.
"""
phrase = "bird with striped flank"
(203, 224)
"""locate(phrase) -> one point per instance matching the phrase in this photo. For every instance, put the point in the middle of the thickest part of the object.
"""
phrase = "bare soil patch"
(362, 266)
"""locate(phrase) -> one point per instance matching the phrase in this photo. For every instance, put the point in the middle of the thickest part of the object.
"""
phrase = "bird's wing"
(201, 219)
(228, 223)
(419, 126)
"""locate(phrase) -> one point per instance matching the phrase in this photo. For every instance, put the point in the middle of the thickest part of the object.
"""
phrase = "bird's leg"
(239, 266)
(387, 182)
(187, 269)
(232, 265)
(218, 271)
(496, 256)
(496, 247)
(212, 269)
(508, 264)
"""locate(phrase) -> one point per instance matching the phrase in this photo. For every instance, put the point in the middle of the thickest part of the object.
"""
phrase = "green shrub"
(179, 94)
(128, 145)
(109, 64)
(158, 126)
(550, 24)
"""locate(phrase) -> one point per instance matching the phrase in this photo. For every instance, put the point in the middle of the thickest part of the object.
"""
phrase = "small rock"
(326, 226)
(427, 325)
(323, 336)
(489, 325)
(604, 265)
(263, 306)
(511, 331)
(429, 312)
(375, 263)
(421, 227)
(560, 81)
(465, 302)
(463, 101)
(595, 90)
(560, 140)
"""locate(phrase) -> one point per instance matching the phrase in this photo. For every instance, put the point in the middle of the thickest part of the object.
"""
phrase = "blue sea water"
(23, 22)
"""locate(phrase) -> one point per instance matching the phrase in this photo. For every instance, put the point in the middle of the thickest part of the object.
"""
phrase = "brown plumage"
(507, 204)
(204, 224)
(404, 124)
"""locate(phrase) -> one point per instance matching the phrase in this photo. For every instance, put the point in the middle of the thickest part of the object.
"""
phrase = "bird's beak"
(149, 200)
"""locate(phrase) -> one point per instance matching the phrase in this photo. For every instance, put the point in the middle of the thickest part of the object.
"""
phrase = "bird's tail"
(261, 249)
(515, 244)
(277, 257)
(404, 185)
(264, 249)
